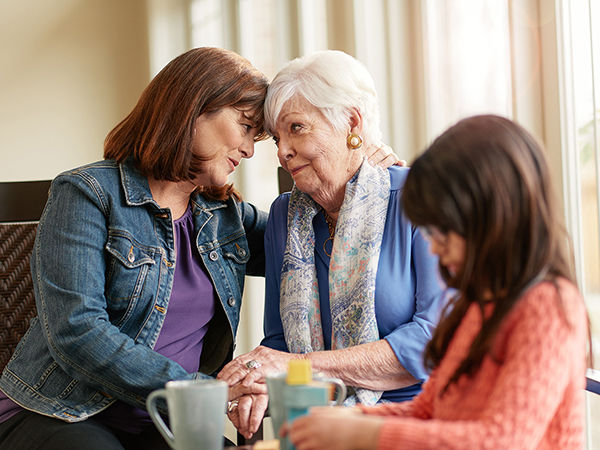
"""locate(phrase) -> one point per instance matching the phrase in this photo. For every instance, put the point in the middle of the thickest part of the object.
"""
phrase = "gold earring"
(354, 141)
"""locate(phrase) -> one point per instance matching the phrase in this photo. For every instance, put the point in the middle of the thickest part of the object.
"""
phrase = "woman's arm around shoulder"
(255, 224)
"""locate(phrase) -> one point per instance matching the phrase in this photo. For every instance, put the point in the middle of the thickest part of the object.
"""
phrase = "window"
(579, 74)
(467, 60)
(581, 110)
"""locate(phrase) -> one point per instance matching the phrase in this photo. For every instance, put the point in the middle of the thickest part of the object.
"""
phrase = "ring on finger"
(253, 364)
(232, 405)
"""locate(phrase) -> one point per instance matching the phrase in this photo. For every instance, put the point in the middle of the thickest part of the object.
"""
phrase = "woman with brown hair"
(139, 263)
(509, 355)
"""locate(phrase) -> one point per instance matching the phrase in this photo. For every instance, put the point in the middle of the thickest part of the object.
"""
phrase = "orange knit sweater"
(530, 395)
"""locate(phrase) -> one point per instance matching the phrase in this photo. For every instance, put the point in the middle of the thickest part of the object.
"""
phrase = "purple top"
(191, 307)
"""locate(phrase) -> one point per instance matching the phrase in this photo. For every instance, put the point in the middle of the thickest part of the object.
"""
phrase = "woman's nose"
(284, 150)
(247, 148)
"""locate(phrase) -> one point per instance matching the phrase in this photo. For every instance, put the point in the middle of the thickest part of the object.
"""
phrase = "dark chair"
(284, 179)
(593, 381)
(21, 204)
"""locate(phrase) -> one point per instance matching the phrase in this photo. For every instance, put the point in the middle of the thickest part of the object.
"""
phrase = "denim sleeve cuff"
(201, 376)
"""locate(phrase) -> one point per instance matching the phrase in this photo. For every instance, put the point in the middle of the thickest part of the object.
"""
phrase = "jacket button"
(231, 301)
(213, 255)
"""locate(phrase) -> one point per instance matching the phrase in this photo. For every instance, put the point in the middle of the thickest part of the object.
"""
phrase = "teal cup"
(278, 409)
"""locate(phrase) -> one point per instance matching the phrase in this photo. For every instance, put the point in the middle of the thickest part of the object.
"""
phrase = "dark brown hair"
(487, 179)
(158, 132)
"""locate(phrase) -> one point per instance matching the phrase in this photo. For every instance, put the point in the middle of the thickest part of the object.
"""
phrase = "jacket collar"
(135, 185)
(198, 201)
(137, 190)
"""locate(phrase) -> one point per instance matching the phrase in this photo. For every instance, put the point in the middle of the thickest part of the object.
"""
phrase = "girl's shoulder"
(552, 300)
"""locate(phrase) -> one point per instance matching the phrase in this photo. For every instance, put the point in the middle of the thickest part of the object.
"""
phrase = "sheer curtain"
(579, 105)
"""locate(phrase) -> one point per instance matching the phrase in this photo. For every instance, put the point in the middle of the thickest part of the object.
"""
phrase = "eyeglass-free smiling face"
(222, 138)
(449, 246)
(313, 152)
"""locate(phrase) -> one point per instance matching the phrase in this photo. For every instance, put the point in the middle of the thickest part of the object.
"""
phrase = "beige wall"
(70, 70)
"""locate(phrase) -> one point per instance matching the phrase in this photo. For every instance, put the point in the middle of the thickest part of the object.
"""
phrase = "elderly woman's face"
(312, 151)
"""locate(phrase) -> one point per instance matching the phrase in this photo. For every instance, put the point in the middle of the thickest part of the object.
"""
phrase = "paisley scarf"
(352, 270)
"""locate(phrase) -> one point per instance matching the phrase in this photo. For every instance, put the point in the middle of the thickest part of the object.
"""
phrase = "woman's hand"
(333, 428)
(238, 390)
(266, 362)
(383, 156)
(247, 412)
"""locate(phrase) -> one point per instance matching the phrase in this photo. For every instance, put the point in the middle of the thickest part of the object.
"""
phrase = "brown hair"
(158, 132)
(487, 179)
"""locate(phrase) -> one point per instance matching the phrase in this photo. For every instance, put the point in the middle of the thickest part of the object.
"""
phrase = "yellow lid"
(299, 372)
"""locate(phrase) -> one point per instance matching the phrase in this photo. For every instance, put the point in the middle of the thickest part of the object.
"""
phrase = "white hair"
(335, 83)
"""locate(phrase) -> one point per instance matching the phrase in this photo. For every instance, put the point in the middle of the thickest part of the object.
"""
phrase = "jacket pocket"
(236, 255)
(129, 266)
(237, 251)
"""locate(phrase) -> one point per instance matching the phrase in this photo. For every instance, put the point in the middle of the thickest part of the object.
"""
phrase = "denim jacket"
(103, 266)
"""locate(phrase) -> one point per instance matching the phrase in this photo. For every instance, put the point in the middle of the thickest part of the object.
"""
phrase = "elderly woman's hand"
(383, 156)
(246, 413)
(238, 390)
(254, 366)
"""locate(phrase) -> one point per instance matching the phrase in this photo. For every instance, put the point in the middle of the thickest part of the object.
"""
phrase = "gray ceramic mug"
(196, 413)
(277, 410)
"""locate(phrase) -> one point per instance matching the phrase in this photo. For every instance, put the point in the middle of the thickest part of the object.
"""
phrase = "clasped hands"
(246, 375)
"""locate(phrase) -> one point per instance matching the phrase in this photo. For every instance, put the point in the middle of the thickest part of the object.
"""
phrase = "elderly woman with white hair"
(350, 283)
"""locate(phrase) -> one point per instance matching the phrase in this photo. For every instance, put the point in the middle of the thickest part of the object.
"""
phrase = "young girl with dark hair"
(509, 354)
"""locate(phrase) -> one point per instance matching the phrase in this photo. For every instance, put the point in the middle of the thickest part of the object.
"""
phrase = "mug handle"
(156, 417)
(340, 390)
